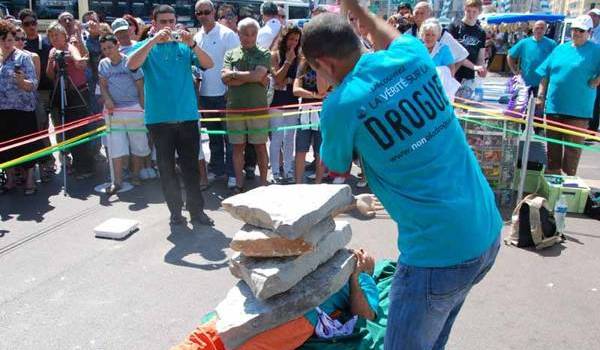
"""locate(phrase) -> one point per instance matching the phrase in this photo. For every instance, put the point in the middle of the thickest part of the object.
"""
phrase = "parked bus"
(48, 10)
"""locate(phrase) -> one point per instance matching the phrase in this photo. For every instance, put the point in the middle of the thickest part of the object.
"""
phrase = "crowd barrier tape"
(495, 114)
(42, 134)
(537, 137)
(523, 115)
(74, 141)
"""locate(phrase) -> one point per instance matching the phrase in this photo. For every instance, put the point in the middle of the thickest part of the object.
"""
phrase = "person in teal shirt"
(530, 53)
(389, 106)
(570, 76)
(171, 110)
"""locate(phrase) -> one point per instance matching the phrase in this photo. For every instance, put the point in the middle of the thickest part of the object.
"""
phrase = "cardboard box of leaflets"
(575, 190)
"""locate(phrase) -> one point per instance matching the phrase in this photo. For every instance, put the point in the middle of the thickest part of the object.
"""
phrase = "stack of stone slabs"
(290, 256)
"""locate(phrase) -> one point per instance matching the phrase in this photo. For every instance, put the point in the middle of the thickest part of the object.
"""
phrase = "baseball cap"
(595, 12)
(583, 22)
(119, 24)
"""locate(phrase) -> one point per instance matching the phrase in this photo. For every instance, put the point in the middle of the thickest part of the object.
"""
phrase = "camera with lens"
(60, 57)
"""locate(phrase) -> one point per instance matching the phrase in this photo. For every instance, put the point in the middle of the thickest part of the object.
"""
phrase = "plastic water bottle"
(478, 94)
(560, 213)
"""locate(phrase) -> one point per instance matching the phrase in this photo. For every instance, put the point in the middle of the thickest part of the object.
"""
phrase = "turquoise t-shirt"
(341, 299)
(168, 84)
(392, 109)
(443, 57)
(531, 54)
(569, 69)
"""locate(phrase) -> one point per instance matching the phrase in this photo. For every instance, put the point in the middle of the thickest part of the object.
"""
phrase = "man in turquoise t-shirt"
(171, 109)
(530, 53)
(390, 107)
(569, 79)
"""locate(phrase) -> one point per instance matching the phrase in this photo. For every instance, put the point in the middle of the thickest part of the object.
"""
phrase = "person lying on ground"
(358, 298)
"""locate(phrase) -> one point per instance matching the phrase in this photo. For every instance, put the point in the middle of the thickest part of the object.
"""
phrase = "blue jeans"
(221, 161)
(424, 302)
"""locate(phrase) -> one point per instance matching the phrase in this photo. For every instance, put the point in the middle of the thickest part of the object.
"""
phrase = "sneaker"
(144, 174)
(338, 180)
(202, 219)
(177, 219)
(152, 174)
(361, 184)
(231, 182)
(250, 173)
(210, 176)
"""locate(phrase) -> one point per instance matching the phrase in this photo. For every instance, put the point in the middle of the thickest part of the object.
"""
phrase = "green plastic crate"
(534, 181)
(576, 196)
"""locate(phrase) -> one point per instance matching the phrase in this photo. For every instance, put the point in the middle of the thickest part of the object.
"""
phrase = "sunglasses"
(203, 13)
(20, 38)
(29, 23)
(166, 21)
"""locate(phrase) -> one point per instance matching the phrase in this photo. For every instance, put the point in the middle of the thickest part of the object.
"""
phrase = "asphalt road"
(61, 288)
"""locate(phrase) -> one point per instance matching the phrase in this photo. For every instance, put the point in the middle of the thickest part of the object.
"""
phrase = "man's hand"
(186, 38)
(540, 102)
(110, 106)
(481, 71)
(265, 81)
(163, 36)
(368, 205)
(364, 263)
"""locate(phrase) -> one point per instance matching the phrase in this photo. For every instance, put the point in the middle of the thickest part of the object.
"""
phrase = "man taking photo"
(389, 106)
(171, 109)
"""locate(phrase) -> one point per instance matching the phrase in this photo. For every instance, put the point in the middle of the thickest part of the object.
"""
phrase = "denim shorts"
(424, 302)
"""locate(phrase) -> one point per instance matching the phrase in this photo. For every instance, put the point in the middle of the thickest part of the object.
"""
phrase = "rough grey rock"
(291, 210)
(254, 241)
(268, 277)
(242, 316)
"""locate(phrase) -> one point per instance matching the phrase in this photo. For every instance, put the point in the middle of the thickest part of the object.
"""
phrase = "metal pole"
(63, 103)
(526, 144)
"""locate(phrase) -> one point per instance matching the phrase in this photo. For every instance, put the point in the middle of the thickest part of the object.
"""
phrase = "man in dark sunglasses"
(215, 39)
(35, 43)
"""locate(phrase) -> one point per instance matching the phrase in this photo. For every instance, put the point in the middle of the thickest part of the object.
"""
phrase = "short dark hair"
(24, 13)
(88, 14)
(225, 8)
(404, 6)
(109, 38)
(329, 35)
(269, 8)
(6, 27)
(160, 9)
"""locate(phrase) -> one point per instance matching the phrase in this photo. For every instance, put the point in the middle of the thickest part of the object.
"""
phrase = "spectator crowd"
(244, 75)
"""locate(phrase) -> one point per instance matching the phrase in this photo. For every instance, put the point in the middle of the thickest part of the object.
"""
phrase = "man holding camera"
(171, 109)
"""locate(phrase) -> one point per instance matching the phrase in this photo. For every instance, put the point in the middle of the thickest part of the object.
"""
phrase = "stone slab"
(242, 316)
(290, 210)
(267, 277)
(254, 241)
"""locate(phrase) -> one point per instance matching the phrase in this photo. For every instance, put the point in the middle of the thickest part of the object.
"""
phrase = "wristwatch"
(194, 46)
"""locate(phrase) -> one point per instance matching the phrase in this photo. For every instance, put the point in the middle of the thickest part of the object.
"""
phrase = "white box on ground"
(116, 228)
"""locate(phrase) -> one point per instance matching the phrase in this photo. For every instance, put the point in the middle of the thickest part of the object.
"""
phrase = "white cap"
(119, 24)
(594, 11)
(583, 22)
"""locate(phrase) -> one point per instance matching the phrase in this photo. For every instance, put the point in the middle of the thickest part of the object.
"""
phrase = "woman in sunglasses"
(570, 76)
(18, 82)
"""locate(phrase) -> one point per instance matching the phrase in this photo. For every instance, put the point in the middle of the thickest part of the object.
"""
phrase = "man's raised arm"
(381, 32)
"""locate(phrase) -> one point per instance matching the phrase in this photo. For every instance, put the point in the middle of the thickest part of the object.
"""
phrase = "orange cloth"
(205, 337)
(290, 335)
